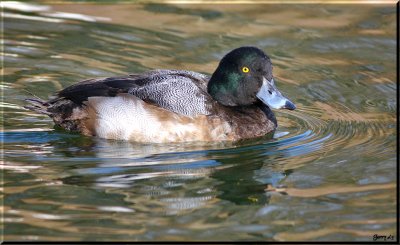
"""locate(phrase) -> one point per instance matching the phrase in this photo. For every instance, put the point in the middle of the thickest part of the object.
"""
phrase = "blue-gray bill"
(271, 96)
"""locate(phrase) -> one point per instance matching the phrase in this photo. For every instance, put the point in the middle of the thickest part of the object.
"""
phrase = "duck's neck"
(222, 89)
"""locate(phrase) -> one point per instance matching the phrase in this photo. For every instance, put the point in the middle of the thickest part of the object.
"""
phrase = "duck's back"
(182, 92)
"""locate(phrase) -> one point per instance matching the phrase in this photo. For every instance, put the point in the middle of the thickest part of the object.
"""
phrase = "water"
(329, 173)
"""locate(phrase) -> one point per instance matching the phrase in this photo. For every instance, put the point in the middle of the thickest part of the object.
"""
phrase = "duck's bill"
(271, 96)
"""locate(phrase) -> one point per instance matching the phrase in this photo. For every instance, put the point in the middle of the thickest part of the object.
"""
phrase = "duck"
(165, 106)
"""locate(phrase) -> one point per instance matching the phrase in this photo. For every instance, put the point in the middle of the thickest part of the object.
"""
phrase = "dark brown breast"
(248, 121)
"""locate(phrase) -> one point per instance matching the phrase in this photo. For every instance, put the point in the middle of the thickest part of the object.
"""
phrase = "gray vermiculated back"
(183, 92)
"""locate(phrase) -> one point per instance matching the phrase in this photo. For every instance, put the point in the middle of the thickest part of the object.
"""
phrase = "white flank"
(125, 117)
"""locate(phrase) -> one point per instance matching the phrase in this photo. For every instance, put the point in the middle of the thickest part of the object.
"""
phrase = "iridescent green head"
(244, 76)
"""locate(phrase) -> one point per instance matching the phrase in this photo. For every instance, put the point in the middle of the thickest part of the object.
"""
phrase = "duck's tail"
(38, 105)
(65, 113)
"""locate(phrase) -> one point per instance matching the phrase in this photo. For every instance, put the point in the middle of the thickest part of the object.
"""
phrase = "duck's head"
(244, 76)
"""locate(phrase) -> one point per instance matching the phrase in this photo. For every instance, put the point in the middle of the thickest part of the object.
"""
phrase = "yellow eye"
(245, 69)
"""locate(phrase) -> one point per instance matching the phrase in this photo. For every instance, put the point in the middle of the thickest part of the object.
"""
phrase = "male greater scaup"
(173, 105)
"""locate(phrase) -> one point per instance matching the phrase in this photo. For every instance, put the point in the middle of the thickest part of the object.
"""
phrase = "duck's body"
(162, 106)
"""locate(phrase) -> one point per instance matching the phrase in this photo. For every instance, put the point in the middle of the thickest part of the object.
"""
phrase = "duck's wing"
(182, 92)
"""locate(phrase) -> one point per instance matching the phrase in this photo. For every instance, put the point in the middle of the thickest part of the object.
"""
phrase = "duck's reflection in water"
(182, 177)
